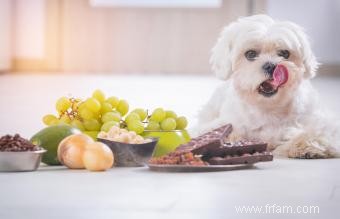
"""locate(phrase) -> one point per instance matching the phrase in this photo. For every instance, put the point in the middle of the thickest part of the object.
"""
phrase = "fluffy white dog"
(267, 66)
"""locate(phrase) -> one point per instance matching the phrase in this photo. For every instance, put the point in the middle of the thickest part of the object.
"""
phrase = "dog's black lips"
(266, 89)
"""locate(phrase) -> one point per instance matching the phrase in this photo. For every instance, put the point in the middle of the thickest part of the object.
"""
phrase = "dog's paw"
(309, 154)
(307, 150)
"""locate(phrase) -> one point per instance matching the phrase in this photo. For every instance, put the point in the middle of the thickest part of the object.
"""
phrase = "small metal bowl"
(131, 155)
(20, 161)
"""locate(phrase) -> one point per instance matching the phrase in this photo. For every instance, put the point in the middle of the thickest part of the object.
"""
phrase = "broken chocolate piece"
(206, 142)
(243, 159)
(239, 148)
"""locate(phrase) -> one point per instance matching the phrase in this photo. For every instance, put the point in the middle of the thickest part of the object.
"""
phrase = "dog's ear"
(309, 60)
(221, 53)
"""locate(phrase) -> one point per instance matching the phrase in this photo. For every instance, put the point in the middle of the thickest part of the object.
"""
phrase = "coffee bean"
(16, 143)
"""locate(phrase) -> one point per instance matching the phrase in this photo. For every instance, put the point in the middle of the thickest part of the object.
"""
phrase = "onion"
(97, 157)
(71, 150)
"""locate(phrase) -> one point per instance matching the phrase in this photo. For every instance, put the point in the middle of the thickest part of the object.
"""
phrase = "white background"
(321, 20)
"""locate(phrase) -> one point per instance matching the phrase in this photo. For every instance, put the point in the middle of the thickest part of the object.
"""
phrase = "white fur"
(292, 121)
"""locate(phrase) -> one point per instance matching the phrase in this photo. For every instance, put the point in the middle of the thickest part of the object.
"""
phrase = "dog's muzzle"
(278, 76)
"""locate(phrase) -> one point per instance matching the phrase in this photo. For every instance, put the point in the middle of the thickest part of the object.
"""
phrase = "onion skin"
(71, 150)
(98, 157)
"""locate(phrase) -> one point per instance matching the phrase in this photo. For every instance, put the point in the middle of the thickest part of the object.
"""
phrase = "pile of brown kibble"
(16, 143)
(178, 158)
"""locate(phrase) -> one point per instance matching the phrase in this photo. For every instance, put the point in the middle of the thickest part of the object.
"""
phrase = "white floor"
(138, 193)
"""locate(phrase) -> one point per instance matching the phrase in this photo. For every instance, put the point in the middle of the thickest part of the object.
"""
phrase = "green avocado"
(49, 139)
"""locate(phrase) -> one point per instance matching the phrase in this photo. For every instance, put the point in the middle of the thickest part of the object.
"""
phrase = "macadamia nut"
(122, 135)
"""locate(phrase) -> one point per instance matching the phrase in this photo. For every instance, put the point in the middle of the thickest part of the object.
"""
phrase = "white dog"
(267, 66)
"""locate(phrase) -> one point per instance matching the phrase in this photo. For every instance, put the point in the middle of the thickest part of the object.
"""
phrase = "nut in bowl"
(130, 149)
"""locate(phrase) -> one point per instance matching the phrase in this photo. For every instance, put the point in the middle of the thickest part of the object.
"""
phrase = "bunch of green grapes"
(138, 120)
(96, 113)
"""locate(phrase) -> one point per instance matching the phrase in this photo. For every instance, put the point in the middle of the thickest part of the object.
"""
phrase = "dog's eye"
(250, 55)
(284, 53)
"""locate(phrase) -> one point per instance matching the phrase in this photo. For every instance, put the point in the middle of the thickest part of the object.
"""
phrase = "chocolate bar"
(207, 142)
(211, 149)
(239, 148)
(243, 159)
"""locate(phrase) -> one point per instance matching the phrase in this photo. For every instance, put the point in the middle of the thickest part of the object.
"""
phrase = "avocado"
(49, 139)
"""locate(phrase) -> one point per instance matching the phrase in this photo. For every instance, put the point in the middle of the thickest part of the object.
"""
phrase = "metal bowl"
(131, 155)
(20, 161)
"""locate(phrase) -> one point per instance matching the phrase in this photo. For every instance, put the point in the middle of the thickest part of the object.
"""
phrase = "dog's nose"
(268, 68)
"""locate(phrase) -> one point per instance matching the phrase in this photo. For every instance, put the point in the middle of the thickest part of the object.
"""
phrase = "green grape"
(81, 106)
(152, 125)
(65, 119)
(158, 115)
(170, 114)
(93, 104)
(97, 115)
(63, 104)
(49, 119)
(61, 122)
(78, 124)
(168, 124)
(123, 107)
(99, 95)
(111, 116)
(55, 122)
(132, 117)
(106, 107)
(181, 122)
(136, 126)
(141, 112)
(92, 125)
(74, 106)
(108, 125)
(113, 101)
(85, 113)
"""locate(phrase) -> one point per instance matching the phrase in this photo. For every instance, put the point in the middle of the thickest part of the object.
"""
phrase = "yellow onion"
(97, 157)
(71, 150)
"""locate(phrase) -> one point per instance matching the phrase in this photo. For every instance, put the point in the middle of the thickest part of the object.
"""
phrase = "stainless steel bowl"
(131, 155)
(20, 161)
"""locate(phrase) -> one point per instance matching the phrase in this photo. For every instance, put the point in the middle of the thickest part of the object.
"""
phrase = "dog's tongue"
(280, 76)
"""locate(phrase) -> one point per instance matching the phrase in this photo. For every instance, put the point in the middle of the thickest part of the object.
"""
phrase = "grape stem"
(72, 112)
